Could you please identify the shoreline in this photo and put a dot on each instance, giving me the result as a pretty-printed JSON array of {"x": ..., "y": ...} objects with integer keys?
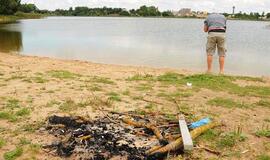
[{"x": 130, "y": 66}]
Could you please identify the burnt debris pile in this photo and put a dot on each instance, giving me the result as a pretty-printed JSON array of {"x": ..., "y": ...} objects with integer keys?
[{"x": 114, "y": 136}]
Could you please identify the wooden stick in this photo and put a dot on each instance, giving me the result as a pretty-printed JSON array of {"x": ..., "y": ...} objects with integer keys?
[
  {"x": 177, "y": 144},
  {"x": 148, "y": 126},
  {"x": 208, "y": 150}
]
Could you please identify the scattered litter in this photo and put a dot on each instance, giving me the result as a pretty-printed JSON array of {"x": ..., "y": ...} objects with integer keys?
[{"x": 200, "y": 123}]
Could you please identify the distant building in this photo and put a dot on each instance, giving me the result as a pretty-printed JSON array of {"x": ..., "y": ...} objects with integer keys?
[
  {"x": 202, "y": 14},
  {"x": 233, "y": 10},
  {"x": 183, "y": 12}
]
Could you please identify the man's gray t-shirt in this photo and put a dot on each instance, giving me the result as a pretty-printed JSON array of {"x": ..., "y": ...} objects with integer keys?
[{"x": 215, "y": 21}]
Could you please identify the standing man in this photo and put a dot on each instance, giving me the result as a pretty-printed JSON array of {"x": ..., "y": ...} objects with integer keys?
[{"x": 215, "y": 25}]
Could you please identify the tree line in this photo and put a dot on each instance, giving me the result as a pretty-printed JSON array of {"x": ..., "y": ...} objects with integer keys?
[
  {"x": 10, "y": 7},
  {"x": 143, "y": 11}
]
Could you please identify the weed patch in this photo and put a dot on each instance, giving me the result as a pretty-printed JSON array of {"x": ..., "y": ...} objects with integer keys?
[
  {"x": 23, "y": 112},
  {"x": 2, "y": 142},
  {"x": 8, "y": 116},
  {"x": 103, "y": 80},
  {"x": 114, "y": 96},
  {"x": 227, "y": 103},
  {"x": 263, "y": 133},
  {"x": 12, "y": 155},
  {"x": 61, "y": 74},
  {"x": 263, "y": 103},
  {"x": 229, "y": 140},
  {"x": 263, "y": 157},
  {"x": 12, "y": 103}
]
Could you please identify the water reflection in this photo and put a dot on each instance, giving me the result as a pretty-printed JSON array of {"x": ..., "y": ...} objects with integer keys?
[{"x": 10, "y": 41}]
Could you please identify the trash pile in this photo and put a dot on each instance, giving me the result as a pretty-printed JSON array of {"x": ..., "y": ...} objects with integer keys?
[{"x": 126, "y": 136}]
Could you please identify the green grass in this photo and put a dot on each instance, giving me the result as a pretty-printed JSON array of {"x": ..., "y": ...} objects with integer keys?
[
  {"x": 139, "y": 77},
  {"x": 210, "y": 135},
  {"x": 61, "y": 74},
  {"x": 144, "y": 87},
  {"x": 31, "y": 127},
  {"x": 8, "y": 116},
  {"x": 126, "y": 92},
  {"x": 103, "y": 80},
  {"x": 173, "y": 78},
  {"x": 95, "y": 88},
  {"x": 212, "y": 82},
  {"x": 12, "y": 155},
  {"x": 150, "y": 106},
  {"x": 12, "y": 103},
  {"x": 68, "y": 105},
  {"x": 263, "y": 103},
  {"x": 23, "y": 112},
  {"x": 34, "y": 148},
  {"x": 2, "y": 142},
  {"x": 263, "y": 133},
  {"x": 24, "y": 141},
  {"x": 114, "y": 96},
  {"x": 227, "y": 103},
  {"x": 263, "y": 157},
  {"x": 175, "y": 94},
  {"x": 230, "y": 139},
  {"x": 52, "y": 103}
]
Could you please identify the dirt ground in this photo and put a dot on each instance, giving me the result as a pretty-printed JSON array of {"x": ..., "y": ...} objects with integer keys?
[{"x": 34, "y": 88}]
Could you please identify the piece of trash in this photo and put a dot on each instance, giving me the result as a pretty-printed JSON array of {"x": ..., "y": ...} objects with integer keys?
[
  {"x": 200, "y": 123},
  {"x": 189, "y": 84}
]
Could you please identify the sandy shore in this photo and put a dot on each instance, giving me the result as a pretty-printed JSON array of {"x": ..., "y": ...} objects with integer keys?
[{"x": 43, "y": 85}]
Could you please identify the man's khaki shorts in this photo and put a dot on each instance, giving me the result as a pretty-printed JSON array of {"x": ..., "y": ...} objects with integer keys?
[{"x": 216, "y": 40}]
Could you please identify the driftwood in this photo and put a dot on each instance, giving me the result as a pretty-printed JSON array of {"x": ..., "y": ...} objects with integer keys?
[{"x": 177, "y": 144}]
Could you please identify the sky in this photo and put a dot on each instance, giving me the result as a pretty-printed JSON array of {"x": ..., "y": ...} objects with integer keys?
[{"x": 196, "y": 5}]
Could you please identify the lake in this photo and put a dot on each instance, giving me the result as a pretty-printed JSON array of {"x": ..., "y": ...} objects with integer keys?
[{"x": 155, "y": 42}]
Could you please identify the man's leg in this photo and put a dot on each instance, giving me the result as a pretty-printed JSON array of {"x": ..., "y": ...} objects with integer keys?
[
  {"x": 209, "y": 63},
  {"x": 210, "y": 50},
  {"x": 221, "y": 64},
  {"x": 221, "y": 52}
]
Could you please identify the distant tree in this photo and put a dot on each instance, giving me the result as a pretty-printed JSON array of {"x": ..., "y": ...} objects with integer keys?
[
  {"x": 27, "y": 8},
  {"x": 124, "y": 13},
  {"x": 167, "y": 14},
  {"x": 9, "y": 7},
  {"x": 148, "y": 11},
  {"x": 81, "y": 11},
  {"x": 133, "y": 12},
  {"x": 268, "y": 15}
]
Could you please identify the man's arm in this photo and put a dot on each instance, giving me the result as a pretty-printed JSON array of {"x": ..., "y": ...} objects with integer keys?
[{"x": 205, "y": 28}]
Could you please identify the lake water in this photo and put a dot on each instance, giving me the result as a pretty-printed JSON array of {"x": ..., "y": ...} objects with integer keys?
[{"x": 157, "y": 42}]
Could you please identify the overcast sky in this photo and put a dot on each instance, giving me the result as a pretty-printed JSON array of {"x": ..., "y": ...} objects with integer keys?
[{"x": 197, "y": 5}]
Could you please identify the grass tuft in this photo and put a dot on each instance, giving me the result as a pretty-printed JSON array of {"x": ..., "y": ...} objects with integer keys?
[
  {"x": 263, "y": 133},
  {"x": 263, "y": 103},
  {"x": 263, "y": 157},
  {"x": 2, "y": 142},
  {"x": 61, "y": 74},
  {"x": 227, "y": 103},
  {"x": 12, "y": 155},
  {"x": 114, "y": 96},
  {"x": 12, "y": 103},
  {"x": 230, "y": 139},
  {"x": 139, "y": 77},
  {"x": 8, "y": 116},
  {"x": 23, "y": 112},
  {"x": 68, "y": 105}
]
